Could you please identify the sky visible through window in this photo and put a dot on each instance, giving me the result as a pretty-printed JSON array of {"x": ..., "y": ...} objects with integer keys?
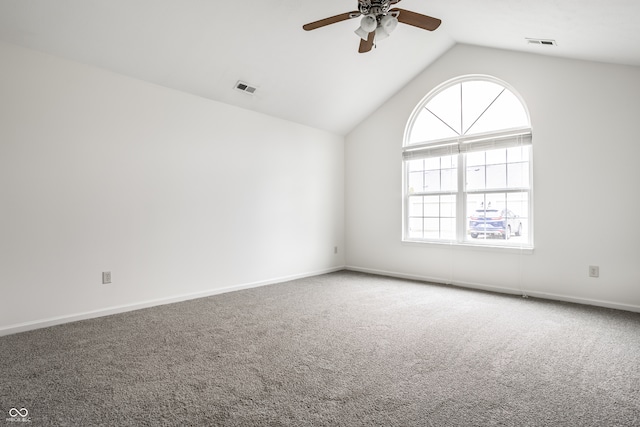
[{"x": 468, "y": 108}]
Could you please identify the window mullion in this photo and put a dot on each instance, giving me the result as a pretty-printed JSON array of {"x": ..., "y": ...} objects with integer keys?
[{"x": 461, "y": 198}]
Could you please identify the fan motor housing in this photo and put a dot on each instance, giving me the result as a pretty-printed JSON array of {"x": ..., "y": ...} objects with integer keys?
[{"x": 374, "y": 7}]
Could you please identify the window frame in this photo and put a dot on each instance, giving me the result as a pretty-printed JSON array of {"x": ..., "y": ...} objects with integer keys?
[{"x": 460, "y": 146}]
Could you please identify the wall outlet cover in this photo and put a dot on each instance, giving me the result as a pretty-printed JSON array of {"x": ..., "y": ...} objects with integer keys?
[{"x": 106, "y": 277}]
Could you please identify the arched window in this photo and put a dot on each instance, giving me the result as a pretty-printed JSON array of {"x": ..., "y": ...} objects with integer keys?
[{"x": 467, "y": 166}]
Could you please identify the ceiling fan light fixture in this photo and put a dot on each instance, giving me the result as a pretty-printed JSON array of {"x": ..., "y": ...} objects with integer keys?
[
  {"x": 381, "y": 34},
  {"x": 368, "y": 24},
  {"x": 389, "y": 23},
  {"x": 361, "y": 33}
]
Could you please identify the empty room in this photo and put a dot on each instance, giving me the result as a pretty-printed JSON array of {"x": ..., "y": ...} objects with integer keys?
[{"x": 319, "y": 213}]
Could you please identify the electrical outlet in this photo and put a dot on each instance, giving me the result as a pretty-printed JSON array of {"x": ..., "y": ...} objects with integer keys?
[
  {"x": 594, "y": 271},
  {"x": 106, "y": 277},
  {"x": 335, "y": 249}
]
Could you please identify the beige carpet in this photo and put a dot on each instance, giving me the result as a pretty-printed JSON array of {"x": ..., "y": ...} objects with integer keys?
[{"x": 342, "y": 349}]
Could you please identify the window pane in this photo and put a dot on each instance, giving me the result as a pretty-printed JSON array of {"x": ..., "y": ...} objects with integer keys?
[
  {"x": 431, "y": 228},
  {"x": 475, "y": 177},
  {"x": 448, "y": 206},
  {"x": 518, "y": 175},
  {"x": 518, "y": 204},
  {"x": 415, "y": 165},
  {"x": 415, "y": 206},
  {"x": 432, "y": 217},
  {"x": 446, "y": 106},
  {"x": 432, "y": 180},
  {"x": 497, "y": 176},
  {"x": 416, "y": 182},
  {"x": 506, "y": 112},
  {"x": 415, "y": 228},
  {"x": 449, "y": 162},
  {"x": 448, "y": 228},
  {"x": 485, "y": 216},
  {"x": 486, "y": 204},
  {"x": 495, "y": 157},
  {"x": 432, "y": 163},
  {"x": 518, "y": 154},
  {"x": 477, "y": 97},
  {"x": 476, "y": 158},
  {"x": 426, "y": 175},
  {"x": 432, "y": 206},
  {"x": 428, "y": 127},
  {"x": 497, "y": 173},
  {"x": 474, "y": 201},
  {"x": 501, "y": 216},
  {"x": 449, "y": 180}
]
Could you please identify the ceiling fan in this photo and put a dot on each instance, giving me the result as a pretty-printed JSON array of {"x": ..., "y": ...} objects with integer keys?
[{"x": 378, "y": 21}]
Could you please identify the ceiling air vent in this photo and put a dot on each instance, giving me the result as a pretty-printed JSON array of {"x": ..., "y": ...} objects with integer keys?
[
  {"x": 245, "y": 87},
  {"x": 544, "y": 42}
]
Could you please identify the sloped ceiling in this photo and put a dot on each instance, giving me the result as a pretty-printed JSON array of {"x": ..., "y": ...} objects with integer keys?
[{"x": 314, "y": 78}]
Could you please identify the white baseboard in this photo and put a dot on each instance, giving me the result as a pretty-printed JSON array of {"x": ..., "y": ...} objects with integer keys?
[
  {"x": 43, "y": 323},
  {"x": 512, "y": 291}
]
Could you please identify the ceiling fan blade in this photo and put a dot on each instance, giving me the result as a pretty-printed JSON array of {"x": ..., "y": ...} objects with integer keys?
[
  {"x": 331, "y": 20},
  {"x": 366, "y": 45},
  {"x": 417, "y": 20}
]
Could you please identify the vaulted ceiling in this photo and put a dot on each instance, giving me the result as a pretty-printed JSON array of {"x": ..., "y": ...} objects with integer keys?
[{"x": 315, "y": 78}]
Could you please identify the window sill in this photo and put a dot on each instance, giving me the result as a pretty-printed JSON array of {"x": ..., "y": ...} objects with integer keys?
[{"x": 526, "y": 250}]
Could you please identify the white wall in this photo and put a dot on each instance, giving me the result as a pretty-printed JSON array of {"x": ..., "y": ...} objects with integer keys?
[
  {"x": 586, "y": 153},
  {"x": 174, "y": 194}
]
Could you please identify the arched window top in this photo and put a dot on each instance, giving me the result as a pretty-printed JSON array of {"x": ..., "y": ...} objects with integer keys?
[{"x": 466, "y": 106}]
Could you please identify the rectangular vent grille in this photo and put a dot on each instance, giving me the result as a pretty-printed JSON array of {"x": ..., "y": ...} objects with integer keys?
[
  {"x": 245, "y": 87},
  {"x": 543, "y": 42}
]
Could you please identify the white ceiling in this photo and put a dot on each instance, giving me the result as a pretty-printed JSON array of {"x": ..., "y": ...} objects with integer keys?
[{"x": 316, "y": 78}]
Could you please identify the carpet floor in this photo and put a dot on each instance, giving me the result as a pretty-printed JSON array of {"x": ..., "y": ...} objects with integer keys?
[{"x": 341, "y": 349}]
